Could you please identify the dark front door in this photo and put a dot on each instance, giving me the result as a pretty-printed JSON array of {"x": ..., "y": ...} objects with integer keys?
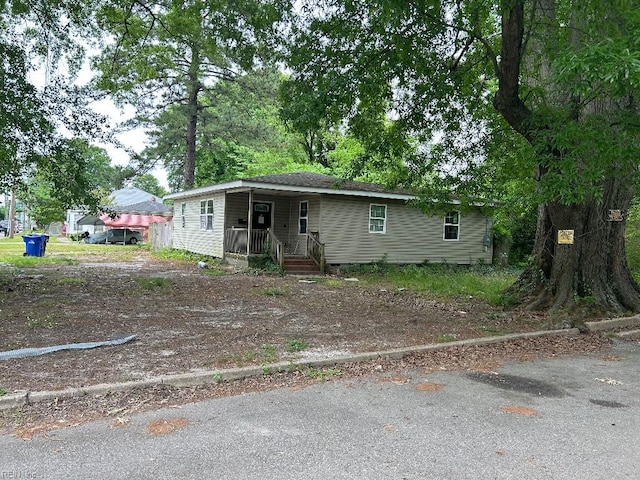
[{"x": 261, "y": 216}]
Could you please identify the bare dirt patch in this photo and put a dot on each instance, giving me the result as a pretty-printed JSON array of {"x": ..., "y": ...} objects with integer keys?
[{"x": 187, "y": 320}]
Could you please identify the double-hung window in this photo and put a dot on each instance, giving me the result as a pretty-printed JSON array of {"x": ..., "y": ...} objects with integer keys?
[
  {"x": 303, "y": 217},
  {"x": 377, "y": 218},
  {"x": 206, "y": 215},
  {"x": 452, "y": 226}
]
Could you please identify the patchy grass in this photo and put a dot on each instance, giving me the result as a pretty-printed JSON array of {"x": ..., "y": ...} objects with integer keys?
[
  {"x": 321, "y": 373},
  {"x": 296, "y": 345},
  {"x": 38, "y": 323},
  {"x": 277, "y": 291},
  {"x": 151, "y": 283},
  {"x": 449, "y": 337},
  {"x": 60, "y": 252},
  {"x": 442, "y": 281}
]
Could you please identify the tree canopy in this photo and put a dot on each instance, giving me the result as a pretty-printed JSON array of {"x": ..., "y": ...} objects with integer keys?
[
  {"x": 545, "y": 90},
  {"x": 161, "y": 55}
]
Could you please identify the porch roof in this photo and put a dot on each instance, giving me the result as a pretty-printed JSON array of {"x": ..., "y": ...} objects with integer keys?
[{"x": 296, "y": 183}]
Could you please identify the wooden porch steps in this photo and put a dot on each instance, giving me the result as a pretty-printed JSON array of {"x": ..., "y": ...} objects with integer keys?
[{"x": 300, "y": 265}]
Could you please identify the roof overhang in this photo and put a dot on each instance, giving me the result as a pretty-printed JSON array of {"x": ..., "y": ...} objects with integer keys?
[{"x": 239, "y": 186}]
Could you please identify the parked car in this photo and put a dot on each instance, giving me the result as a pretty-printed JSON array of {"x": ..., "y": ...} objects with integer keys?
[
  {"x": 4, "y": 226},
  {"x": 123, "y": 235},
  {"x": 100, "y": 237}
]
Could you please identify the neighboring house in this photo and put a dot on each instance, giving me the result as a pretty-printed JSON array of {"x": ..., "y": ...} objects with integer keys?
[
  {"x": 323, "y": 217},
  {"x": 125, "y": 201}
]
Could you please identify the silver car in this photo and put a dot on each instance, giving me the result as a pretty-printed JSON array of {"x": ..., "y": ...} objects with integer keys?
[{"x": 123, "y": 235}]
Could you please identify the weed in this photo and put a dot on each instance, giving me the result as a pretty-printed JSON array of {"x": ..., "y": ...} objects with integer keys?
[
  {"x": 322, "y": 373},
  {"x": 277, "y": 291},
  {"x": 492, "y": 330},
  {"x": 154, "y": 282},
  {"x": 269, "y": 352},
  {"x": 3, "y": 391},
  {"x": 449, "y": 337},
  {"x": 35, "y": 323},
  {"x": 265, "y": 368},
  {"x": 217, "y": 376},
  {"x": 296, "y": 345}
]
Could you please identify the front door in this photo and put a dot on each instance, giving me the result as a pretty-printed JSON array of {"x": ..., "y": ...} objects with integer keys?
[{"x": 261, "y": 216}]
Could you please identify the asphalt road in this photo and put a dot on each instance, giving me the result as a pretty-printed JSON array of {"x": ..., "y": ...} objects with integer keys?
[{"x": 567, "y": 418}]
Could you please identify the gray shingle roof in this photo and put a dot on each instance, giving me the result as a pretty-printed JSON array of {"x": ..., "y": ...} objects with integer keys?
[
  {"x": 318, "y": 180},
  {"x": 146, "y": 208}
]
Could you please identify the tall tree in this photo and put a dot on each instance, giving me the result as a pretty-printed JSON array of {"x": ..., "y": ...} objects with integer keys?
[
  {"x": 239, "y": 126},
  {"x": 166, "y": 53},
  {"x": 562, "y": 75},
  {"x": 36, "y": 102},
  {"x": 73, "y": 173},
  {"x": 150, "y": 184}
]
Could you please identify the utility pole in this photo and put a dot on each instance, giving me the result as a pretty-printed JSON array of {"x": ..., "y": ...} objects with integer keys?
[{"x": 12, "y": 213}]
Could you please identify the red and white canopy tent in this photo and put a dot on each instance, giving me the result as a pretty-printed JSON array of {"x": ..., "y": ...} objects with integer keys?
[{"x": 130, "y": 220}]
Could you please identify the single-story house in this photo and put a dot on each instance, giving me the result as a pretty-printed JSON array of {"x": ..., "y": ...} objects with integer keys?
[{"x": 334, "y": 222}]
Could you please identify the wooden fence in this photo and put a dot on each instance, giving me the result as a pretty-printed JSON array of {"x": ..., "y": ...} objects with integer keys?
[{"x": 161, "y": 235}]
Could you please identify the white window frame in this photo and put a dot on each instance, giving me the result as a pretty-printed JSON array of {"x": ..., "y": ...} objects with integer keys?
[
  {"x": 206, "y": 214},
  {"x": 183, "y": 210},
  {"x": 304, "y": 217},
  {"x": 448, "y": 222},
  {"x": 373, "y": 220}
]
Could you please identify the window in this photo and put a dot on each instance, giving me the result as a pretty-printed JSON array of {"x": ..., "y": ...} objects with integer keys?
[
  {"x": 303, "y": 217},
  {"x": 452, "y": 226},
  {"x": 183, "y": 209},
  {"x": 206, "y": 215},
  {"x": 377, "y": 218}
]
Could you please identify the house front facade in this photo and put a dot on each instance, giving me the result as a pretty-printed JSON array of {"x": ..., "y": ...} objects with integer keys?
[{"x": 308, "y": 214}]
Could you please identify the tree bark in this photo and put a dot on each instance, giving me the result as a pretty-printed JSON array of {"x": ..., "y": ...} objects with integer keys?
[
  {"x": 589, "y": 276},
  {"x": 194, "y": 86}
]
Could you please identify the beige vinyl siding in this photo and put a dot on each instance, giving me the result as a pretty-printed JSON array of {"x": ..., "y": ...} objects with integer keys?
[
  {"x": 191, "y": 237},
  {"x": 410, "y": 237}
]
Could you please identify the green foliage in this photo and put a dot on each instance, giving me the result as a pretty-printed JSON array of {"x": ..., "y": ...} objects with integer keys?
[
  {"x": 269, "y": 353},
  {"x": 277, "y": 291},
  {"x": 444, "y": 281},
  {"x": 296, "y": 345},
  {"x": 449, "y": 337},
  {"x": 633, "y": 241},
  {"x": 151, "y": 283},
  {"x": 177, "y": 51},
  {"x": 38, "y": 323},
  {"x": 322, "y": 373},
  {"x": 149, "y": 183}
]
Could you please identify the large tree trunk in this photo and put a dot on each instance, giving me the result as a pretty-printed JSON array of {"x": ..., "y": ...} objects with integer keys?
[{"x": 590, "y": 275}]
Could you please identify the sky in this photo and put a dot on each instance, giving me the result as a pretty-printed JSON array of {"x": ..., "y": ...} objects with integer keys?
[{"x": 134, "y": 139}]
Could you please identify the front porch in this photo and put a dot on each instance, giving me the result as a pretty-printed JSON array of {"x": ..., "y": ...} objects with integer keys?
[{"x": 242, "y": 243}]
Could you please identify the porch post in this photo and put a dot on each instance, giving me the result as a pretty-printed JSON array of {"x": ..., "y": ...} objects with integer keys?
[{"x": 249, "y": 222}]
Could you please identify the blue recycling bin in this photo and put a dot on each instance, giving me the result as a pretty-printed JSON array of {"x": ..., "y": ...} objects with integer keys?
[{"x": 35, "y": 244}]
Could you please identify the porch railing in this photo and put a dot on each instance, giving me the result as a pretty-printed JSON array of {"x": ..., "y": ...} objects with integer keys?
[
  {"x": 262, "y": 241},
  {"x": 315, "y": 249},
  {"x": 276, "y": 249}
]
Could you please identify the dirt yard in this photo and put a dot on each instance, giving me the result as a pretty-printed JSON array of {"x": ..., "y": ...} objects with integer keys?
[{"x": 188, "y": 319}]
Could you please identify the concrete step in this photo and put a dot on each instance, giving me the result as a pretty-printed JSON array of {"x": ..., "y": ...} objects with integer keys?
[
  {"x": 629, "y": 334},
  {"x": 614, "y": 324}
]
